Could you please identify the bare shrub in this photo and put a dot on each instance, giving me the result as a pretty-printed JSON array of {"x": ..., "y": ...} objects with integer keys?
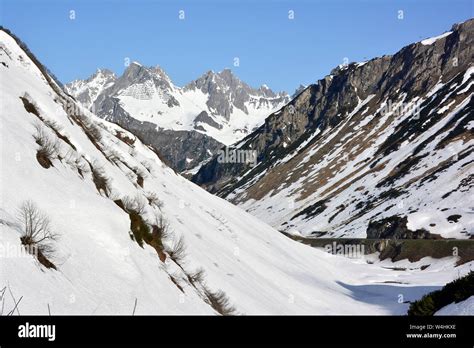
[
  {"x": 141, "y": 175},
  {"x": 75, "y": 161},
  {"x": 161, "y": 227},
  {"x": 101, "y": 181},
  {"x": 81, "y": 165},
  {"x": 220, "y": 302},
  {"x": 92, "y": 130},
  {"x": 49, "y": 149},
  {"x": 30, "y": 105},
  {"x": 137, "y": 204},
  {"x": 113, "y": 156},
  {"x": 197, "y": 276},
  {"x": 53, "y": 124},
  {"x": 147, "y": 165},
  {"x": 37, "y": 235},
  {"x": 177, "y": 251},
  {"x": 153, "y": 199}
]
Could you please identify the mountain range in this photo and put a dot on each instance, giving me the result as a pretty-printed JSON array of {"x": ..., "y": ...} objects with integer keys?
[{"x": 186, "y": 124}]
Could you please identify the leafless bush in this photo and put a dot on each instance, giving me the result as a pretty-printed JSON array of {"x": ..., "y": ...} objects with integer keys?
[
  {"x": 49, "y": 149},
  {"x": 153, "y": 199},
  {"x": 147, "y": 166},
  {"x": 197, "y": 276},
  {"x": 161, "y": 226},
  {"x": 137, "y": 204},
  {"x": 131, "y": 176},
  {"x": 113, "y": 156},
  {"x": 101, "y": 181},
  {"x": 37, "y": 235},
  {"x": 141, "y": 175},
  {"x": 53, "y": 124},
  {"x": 92, "y": 130},
  {"x": 220, "y": 302},
  {"x": 81, "y": 165},
  {"x": 177, "y": 251}
]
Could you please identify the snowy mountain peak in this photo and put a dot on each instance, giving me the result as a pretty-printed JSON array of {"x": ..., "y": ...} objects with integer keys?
[
  {"x": 219, "y": 105},
  {"x": 87, "y": 91}
]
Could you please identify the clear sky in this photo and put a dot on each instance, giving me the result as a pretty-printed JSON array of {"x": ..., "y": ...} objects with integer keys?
[{"x": 271, "y": 47}]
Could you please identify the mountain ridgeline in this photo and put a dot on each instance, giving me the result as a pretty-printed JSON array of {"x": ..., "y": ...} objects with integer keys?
[
  {"x": 186, "y": 125},
  {"x": 391, "y": 137}
]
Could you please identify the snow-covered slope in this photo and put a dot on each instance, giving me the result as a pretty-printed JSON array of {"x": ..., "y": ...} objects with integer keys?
[
  {"x": 465, "y": 307},
  {"x": 93, "y": 166},
  {"x": 217, "y": 104},
  {"x": 391, "y": 138}
]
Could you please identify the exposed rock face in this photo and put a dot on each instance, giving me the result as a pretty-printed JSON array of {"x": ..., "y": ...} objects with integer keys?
[
  {"x": 226, "y": 91},
  {"x": 87, "y": 91},
  {"x": 205, "y": 118},
  {"x": 395, "y": 227},
  {"x": 182, "y": 150},
  {"x": 392, "y": 135}
]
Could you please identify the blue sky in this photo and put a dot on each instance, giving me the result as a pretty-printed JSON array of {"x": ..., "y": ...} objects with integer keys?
[{"x": 271, "y": 48}]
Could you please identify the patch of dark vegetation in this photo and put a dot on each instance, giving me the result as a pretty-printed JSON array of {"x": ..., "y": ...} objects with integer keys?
[
  {"x": 159, "y": 233},
  {"x": 120, "y": 204},
  {"x": 30, "y": 107},
  {"x": 456, "y": 291},
  {"x": 395, "y": 227},
  {"x": 391, "y": 194},
  {"x": 197, "y": 276},
  {"x": 312, "y": 210},
  {"x": 37, "y": 236},
  {"x": 140, "y": 178},
  {"x": 458, "y": 126},
  {"x": 153, "y": 233},
  {"x": 402, "y": 169},
  {"x": 339, "y": 209},
  {"x": 177, "y": 251},
  {"x": 56, "y": 128},
  {"x": 92, "y": 131},
  {"x": 124, "y": 138},
  {"x": 175, "y": 282},
  {"x": 43, "y": 157},
  {"x": 48, "y": 149},
  {"x": 318, "y": 234},
  {"x": 139, "y": 229},
  {"x": 454, "y": 218}
]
